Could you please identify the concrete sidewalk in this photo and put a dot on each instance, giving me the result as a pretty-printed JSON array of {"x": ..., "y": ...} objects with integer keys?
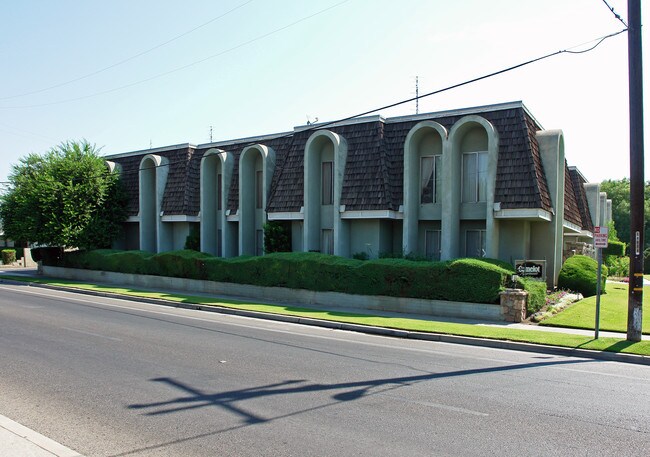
[{"x": 19, "y": 441}]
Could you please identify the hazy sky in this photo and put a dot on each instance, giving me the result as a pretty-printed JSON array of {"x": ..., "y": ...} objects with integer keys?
[{"x": 265, "y": 66}]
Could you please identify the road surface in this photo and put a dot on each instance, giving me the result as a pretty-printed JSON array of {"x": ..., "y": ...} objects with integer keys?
[{"x": 110, "y": 377}]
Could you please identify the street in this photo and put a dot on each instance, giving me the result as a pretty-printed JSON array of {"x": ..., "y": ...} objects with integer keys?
[{"x": 109, "y": 377}]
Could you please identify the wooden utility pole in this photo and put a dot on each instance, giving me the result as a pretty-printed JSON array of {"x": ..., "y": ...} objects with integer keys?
[{"x": 635, "y": 291}]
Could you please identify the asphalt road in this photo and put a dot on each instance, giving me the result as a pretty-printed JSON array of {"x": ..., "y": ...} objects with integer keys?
[{"x": 111, "y": 377}]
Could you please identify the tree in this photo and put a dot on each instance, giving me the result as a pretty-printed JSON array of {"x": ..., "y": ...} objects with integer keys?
[
  {"x": 619, "y": 193},
  {"x": 66, "y": 197}
]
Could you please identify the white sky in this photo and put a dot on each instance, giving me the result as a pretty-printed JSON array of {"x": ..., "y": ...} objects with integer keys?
[{"x": 268, "y": 75}]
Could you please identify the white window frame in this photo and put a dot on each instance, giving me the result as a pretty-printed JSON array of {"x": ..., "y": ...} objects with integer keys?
[
  {"x": 435, "y": 253},
  {"x": 477, "y": 188},
  {"x": 435, "y": 178},
  {"x": 482, "y": 242}
]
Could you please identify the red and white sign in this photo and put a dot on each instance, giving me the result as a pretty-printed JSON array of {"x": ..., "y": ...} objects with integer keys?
[{"x": 600, "y": 237}]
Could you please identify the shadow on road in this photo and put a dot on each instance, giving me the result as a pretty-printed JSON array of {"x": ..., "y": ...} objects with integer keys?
[{"x": 340, "y": 392}]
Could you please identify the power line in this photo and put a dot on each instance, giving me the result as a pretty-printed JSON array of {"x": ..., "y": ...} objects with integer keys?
[
  {"x": 128, "y": 59},
  {"x": 429, "y": 94},
  {"x": 616, "y": 15},
  {"x": 183, "y": 67}
]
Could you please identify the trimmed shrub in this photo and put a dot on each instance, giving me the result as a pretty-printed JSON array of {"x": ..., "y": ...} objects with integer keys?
[
  {"x": 8, "y": 256},
  {"x": 464, "y": 280},
  {"x": 614, "y": 248},
  {"x": 47, "y": 255},
  {"x": 536, "y": 294},
  {"x": 580, "y": 274},
  {"x": 618, "y": 266}
]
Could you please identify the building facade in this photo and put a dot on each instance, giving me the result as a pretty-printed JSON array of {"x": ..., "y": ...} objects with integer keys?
[{"x": 477, "y": 182}]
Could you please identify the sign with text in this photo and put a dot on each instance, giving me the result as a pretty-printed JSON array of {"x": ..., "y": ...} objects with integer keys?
[
  {"x": 600, "y": 237},
  {"x": 531, "y": 268}
]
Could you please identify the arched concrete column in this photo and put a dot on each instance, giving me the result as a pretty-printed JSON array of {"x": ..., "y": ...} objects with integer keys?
[
  {"x": 318, "y": 142},
  {"x": 550, "y": 244},
  {"x": 214, "y": 200},
  {"x": 154, "y": 235},
  {"x": 252, "y": 219},
  {"x": 452, "y": 163},
  {"x": 412, "y": 185},
  {"x": 113, "y": 167}
]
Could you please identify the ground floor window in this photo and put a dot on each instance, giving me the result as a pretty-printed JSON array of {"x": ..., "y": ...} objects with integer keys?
[
  {"x": 259, "y": 242},
  {"x": 432, "y": 244},
  {"x": 475, "y": 243},
  {"x": 327, "y": 241}
]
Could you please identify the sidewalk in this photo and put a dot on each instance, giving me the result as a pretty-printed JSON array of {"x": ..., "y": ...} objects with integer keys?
[{"x": 19, "y": 441}]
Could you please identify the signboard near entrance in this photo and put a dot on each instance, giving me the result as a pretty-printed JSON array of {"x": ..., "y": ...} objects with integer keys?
[
  {"x": 531, "y": 268},
  {"x": 600, "y": 237}
]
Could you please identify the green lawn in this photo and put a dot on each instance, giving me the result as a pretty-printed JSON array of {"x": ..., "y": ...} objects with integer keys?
[
  {"x": 613, "y": 311},
  {"x": 480, "y": 331}
]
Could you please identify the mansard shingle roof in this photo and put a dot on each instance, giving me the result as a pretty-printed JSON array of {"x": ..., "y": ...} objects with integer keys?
[
  {"x": 578, "y": 182},
  {"x": 374, "y": 171}
]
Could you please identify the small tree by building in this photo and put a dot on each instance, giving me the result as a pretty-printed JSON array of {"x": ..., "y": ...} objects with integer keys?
[{"x": 66, "y": 197}]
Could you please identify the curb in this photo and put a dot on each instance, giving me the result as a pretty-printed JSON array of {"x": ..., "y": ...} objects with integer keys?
[
  {"x": 383, "y": 331},
  {"x": 36, "y": 439}
]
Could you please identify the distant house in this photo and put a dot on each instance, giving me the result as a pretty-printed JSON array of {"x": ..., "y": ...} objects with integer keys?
[{"x": 480, "y": 182}]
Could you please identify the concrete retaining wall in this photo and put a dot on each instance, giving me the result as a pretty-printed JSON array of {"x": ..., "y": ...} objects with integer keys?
[{"x": 294, "y": 296}]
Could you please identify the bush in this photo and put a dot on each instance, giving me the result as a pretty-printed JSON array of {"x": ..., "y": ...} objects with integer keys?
[
  {"x": 536, "y": 294},
  {"x": 277, "y": 237},
  {"x": 463, "y": 280},
  {"x": 614, "y": 248},
  {"x": 193, "y": 240},
  {"x": 8, "y": 256},
  {"x": 47, "y": 255},
  {"x": 361, "y": 255},
  {"x": 580, "y": 274},
  {"x": 618, "y": 266}
]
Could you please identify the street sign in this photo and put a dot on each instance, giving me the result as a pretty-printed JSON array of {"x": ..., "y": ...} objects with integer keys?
[{"x": 600, "y": 237}]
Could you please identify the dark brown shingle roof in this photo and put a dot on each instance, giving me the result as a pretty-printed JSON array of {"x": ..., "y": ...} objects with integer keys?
[
  {"x": 374, "y": 169},
  {"x": 571, "y": 211},
  {"x": 581, "y": 199}
]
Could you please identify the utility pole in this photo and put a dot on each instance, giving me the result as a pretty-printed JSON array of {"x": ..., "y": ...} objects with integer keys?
[{"x": 635, "y": 290}]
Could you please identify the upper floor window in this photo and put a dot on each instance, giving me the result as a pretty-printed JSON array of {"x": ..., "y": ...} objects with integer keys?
[
  {"x": 259, "y": 187},
  {"x": 475, "y": 177},
  {"x": 430, "y": 186},
  {"x": 327, "y": 180},
  {"x": 219, "y": 193}
]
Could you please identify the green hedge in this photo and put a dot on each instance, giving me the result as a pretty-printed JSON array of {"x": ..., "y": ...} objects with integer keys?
[
  {"x": 580, "y": 274},
  {"x": 536, "y": 294},
  {"x": 8, "y": 256},
  {"x": 614, "y": 248},
  {"x": 464, "y": 280}
]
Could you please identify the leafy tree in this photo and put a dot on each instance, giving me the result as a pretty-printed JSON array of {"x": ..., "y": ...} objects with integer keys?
[
  {"x": 619, "y": 192},
  {"x": 66, "y": 197}
]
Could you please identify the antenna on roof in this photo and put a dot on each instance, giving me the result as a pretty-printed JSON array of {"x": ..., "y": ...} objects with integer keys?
[
  {"x": 309, "y": 121},
  {"x": 150, "y": 143},
  {"x": 417, "y": 96},
  {"x": 210, "y": 134}
]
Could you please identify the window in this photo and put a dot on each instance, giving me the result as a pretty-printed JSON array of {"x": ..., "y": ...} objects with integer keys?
[
  {"x": 432, "y": 244},
  {"x": 219, "y": 194},
  {"x": 327, "y": 241},
  {"x": 430, "y": 186},
  {"x": 259, "y": 187},
  {"x": 475, "y": 177},
  {"x": 327, "y": 180},
  {"x": 259, "y": 242},
  {"x": 475, "y": 243}
]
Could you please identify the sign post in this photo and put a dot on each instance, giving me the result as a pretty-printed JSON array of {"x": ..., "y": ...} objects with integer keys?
[{"x": 600, "y": 242}]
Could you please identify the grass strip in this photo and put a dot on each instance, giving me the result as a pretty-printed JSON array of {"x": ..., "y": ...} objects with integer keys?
[
  {"x": 408, "y": 324},
  {"x": 613, "y": 311}
]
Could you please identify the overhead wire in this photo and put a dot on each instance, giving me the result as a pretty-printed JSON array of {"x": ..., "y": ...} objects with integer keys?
[
  {"x": 429, "y": 94},
  {"x": 183, "y": 67},
  {"x": 128, "y": 59},
  {"x": 616, "y": 15}
]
